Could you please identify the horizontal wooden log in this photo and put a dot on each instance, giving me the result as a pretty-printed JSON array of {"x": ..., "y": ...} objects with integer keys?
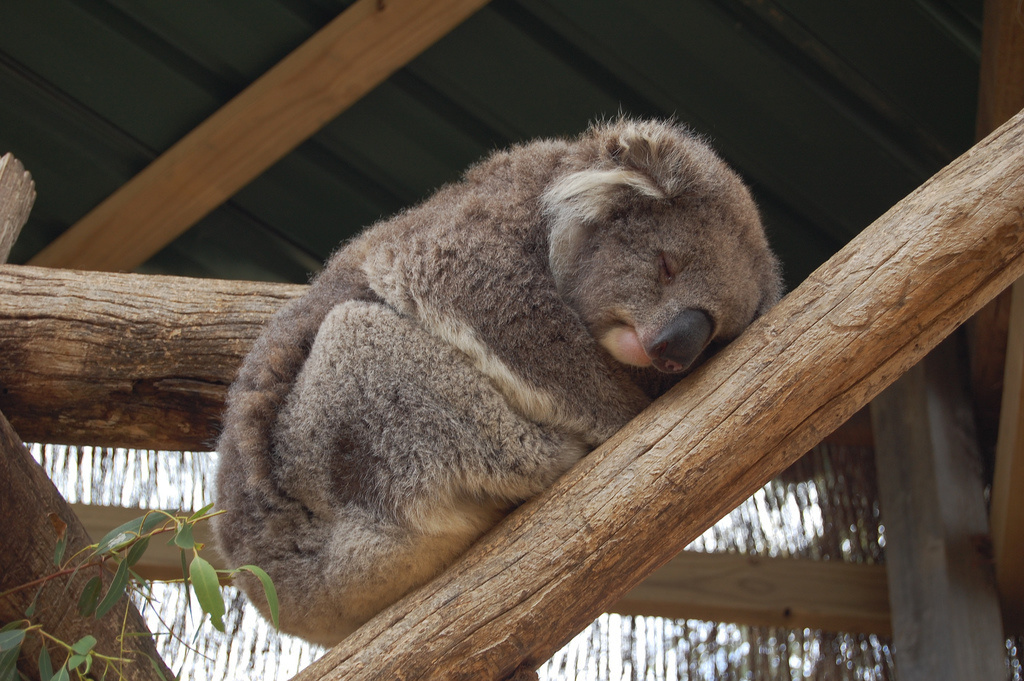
[
  {"x": 124, "y": 360},
  {"x": 132, "y": 360},
  {"x": 764, "y": 591},
  {"x": 716, "y": 587},
  {"x": 847, "y": 332}
]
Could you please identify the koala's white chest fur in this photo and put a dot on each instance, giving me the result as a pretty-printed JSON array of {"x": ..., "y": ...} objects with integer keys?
[{"x": 454, "y": 360}]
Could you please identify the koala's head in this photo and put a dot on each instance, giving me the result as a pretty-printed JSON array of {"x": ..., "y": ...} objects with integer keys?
[{"x": 657, "y": 244}]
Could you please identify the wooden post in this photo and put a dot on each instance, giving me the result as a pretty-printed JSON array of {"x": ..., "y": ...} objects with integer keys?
[
  {"x": 847, "y": 332},
  {"x": 945, "y": 611},
  {"x": 17, "y": 194}
]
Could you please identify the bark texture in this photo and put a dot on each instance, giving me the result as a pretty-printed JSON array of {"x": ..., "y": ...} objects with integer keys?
[{"x": 121, "y": 359}]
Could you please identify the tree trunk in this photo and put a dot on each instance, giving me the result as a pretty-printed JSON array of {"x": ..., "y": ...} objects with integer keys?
[{"x": 27, "y": 499}]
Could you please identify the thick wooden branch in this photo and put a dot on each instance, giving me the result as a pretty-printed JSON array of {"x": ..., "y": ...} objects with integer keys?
[
  {"x": 27, "y": 498},
  {"x": 328, "y": 73},
  {"x": 124, "y": 360},
  {"x": 847, "y": 332}
]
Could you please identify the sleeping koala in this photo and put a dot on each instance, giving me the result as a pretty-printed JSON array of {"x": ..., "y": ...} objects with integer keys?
[{"x": 454, "y": 360}]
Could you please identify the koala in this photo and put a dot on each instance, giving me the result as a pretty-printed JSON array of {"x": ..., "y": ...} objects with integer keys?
[{"x": 454, "y": 360}]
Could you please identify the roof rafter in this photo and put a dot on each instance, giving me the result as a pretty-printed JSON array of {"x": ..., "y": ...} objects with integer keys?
[{"x": 324, "y": 76}]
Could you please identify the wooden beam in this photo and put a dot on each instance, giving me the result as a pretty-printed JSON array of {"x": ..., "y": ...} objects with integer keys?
[
  {"x": 131, "y": 360},
  {"x": 717, "y": 587},
  {"x": 945, "y": 612},
  {"x": 763, "y": 591},
  {"x": 995, "y": 360},
  {"x": 1000, "y": 96},
  {"x": 855, "y": 325},
  {"x": 328, "y": 73},
  {"x": 1007, "y": 511},
  {"x": 17, "y": 194},
  {"x": 124, "y": 360}
]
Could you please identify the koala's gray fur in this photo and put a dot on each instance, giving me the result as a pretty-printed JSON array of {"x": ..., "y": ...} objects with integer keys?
[{"x": 454, "y": 360}]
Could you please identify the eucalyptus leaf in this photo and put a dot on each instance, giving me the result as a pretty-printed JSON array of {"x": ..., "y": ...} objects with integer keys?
[
  {"x": 136, "y": 551},
  {"x": 115, "y": 591},
  {"x": 11, "y": 639},
  {"x": 269, "y": 589},
  {"x": 83, "y": 645},
  {"x": 121, "y": 536},
  {"x": 45, "y": 664},
  {"x": 90, "y": 597},
  {"x": 59, "y": 549},
  {"x": 9, "y": 664},
  {"x": 62, "y": 675},
  {"x": 200, "y": 513},
  {"x": 183, "y": 537},
  {"x": 207, "y": 587}
]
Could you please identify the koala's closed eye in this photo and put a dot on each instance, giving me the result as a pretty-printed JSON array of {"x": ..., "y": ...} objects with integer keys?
[{"x": 666, "y": 269}]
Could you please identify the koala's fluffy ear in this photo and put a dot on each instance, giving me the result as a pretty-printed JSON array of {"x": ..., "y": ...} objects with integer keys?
[{"x": 651, "y": 159}]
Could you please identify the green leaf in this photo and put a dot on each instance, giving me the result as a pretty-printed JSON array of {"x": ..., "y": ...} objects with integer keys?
[
  {"x": 207, "y": 586},
  {"x": 58, "y": 551},
  {"x": 16, "y": 624},
  {"x": 45, "y": 664},
  {"x": 136, "y": 551},
  {"x": 269, "y": 589},
  {"x": 200, "y": 513},
  {"x": 11, "y": 639},
  {"x": 9, "y": 664},
  {"x": 62, "y": 675},
  {"x": 121, "y": 536},
  {"x": 83, "y": 645},
  {"x": 115, "y": 591},
  {"x": 184, "y": 574},
  {"x": 75, "y": 661},
  {"x": 183, "y": 537},
  {"x": 90, "y": 597}
]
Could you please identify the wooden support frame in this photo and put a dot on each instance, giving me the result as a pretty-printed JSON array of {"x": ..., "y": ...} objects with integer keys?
[
  {"x": 328, "y": 73},
  {"x": 854, "y": 326}
]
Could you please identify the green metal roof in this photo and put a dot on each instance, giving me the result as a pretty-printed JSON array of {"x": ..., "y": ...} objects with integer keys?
[{"x": 832, "y": 111}]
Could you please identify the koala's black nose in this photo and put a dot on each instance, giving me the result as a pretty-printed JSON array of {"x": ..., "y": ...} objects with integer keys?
[{"x": 680, "y": 342}]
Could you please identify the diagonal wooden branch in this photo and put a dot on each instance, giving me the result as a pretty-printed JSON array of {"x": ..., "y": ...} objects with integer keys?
[
  {"x": 27, "y": 500},
  {"x": 847, "y": 332}
]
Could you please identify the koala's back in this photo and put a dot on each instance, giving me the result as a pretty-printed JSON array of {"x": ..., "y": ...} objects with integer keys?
[{"x": 392, "y": 454}]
